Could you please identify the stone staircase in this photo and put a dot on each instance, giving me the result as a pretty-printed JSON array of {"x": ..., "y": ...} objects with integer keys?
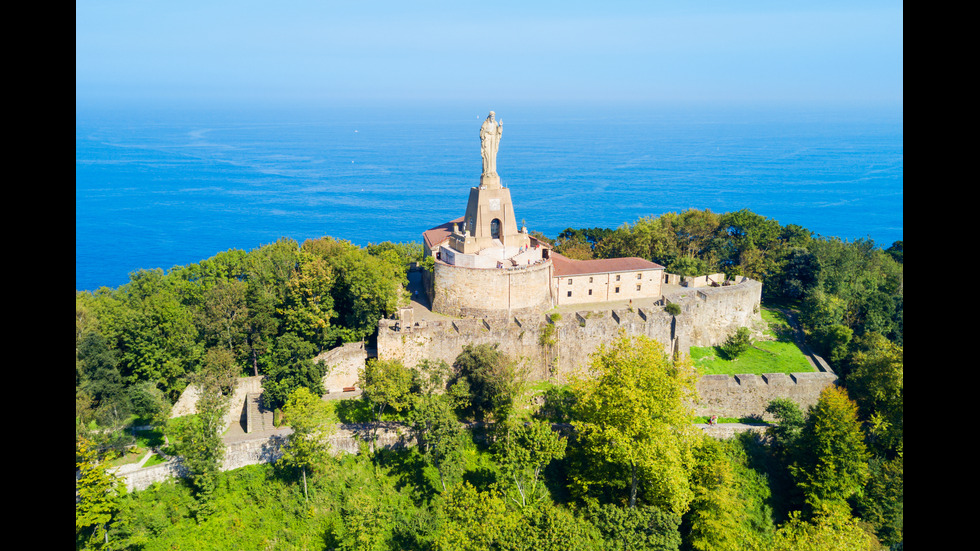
[{"x": 257, "y": 418}]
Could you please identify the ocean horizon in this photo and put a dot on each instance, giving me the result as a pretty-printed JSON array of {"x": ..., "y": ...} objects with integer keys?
[{"x": 159, "y": 188}]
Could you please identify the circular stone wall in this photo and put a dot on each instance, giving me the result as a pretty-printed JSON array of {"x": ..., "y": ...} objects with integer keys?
[{"x": 492, "y": 293}]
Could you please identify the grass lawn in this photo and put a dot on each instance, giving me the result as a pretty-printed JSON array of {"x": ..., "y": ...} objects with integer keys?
[{"x": 776, "y": 356}]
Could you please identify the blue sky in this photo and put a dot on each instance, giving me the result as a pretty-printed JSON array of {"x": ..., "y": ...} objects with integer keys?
[{"x": 303, "y": 52}]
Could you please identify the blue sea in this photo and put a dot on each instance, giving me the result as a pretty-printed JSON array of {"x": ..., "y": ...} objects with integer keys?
[{"x": 159, "y": 188}]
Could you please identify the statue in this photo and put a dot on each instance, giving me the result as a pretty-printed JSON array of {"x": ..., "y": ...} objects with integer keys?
[{"x": 490, "y": 134}]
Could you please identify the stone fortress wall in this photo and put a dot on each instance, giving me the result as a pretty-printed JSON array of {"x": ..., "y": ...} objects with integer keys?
[
  {"x": 473, "y": 292},
  {"x": 555, "y": 346}
]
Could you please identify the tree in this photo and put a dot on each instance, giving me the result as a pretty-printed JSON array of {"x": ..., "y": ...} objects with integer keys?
[
  {"x": 524, "y": 452},
  {"x": 832, "y": 461},
  {"x": 736, "y": 343},
  {"x": 288, "y": 366},
  {"x": 876, "y": 382},
  {"x": 439, "y": 437},
  {"x": 307, "y": 446},
  {"x": 633, "y": 412},
  {"x": 729, "y": 510},
  {"x": 224, "y": 314},
  {"x": 308, "y": 305},
  {"x": 882, "y": 503},
  {"x": 366, "y": 288},
  {"x": 158, "y": 340},
  {"x": 474, "y": 520},
  {"x": 645, "y": 527},
  {"x": 96, "y": 498},
  {"x": 494, "y": 381},
  {"x": 197, "y": 439},
  {"x": 385, "y": 383},
  {"x": 829, "y": 530}
]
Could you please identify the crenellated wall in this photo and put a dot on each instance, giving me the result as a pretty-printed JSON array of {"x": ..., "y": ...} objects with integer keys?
[
  {"x": 748, "y": 395},
  {"x": 556, "y": 346}
]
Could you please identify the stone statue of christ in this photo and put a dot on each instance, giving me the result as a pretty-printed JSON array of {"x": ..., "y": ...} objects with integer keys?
[{"x": 490, "y": 134}]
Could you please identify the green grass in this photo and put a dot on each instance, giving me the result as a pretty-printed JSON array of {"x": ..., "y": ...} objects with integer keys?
[
  {"x": 777, "y": 356},
  {"x": 154, "y": 459}
]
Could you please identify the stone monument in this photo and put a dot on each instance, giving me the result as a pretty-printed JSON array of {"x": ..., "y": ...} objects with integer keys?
[
  {"x": 489, "y": 222},
  {"x": 490, "y": 134}
]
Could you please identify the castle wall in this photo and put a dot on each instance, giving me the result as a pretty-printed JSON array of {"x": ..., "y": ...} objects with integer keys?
[
  {"x": 556, "y": 348},
  {"x": 469, "y": 292},
  {"x": 747, "y": 395},
  {"x": 709, "y": 315},
  {"x": 343, "y": 363}
]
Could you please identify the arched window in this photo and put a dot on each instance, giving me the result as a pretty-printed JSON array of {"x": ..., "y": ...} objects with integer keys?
[{"x": 495, "y": 228}]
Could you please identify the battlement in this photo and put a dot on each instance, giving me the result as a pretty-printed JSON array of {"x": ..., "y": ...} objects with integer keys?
[
  {"x": 746, "y": 395},
  {"x": 556, "y": 348}
]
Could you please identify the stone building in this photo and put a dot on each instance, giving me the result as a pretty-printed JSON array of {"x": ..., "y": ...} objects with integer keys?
[{"x": 487, "y": 266}]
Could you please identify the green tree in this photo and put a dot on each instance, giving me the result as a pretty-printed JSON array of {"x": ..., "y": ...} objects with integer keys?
[
  {"x": 440, "y": 437},
  {"x": 641, "y": 528},
  {"x": 367, "y": 286},
  {"x": 882, "y": 504},
  {"x": 98, "y": 376},
  {"x": 729, "y": 510},
  {"x": 830, "y": 530},
  {"x": 307, "y": 447},
  {"x": 96, "y": 498},
  {"x": 385, "y": 383},
  {"x": 832, "y": 461},
  {"x": 150, "y": 403},
  {"x": 524, "y": 452},
  {"x": 474, "y": 520},
  {"x": 736, "y": 343},
  {"x": 158, "y": 340},
  {"x": 223, "y": 315},
  {"x": 876, "y": 382},
  {"x": 634, "y": 413},
  {"x": 261, "y": 326},
  {"x": 494, "y": 381},
  {"x": 288, "y": 366},
  {"x": 307, "y": 306},
  {"x": 197, "y": 439}
]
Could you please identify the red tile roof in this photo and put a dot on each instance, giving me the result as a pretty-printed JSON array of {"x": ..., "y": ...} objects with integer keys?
[
  {"x": 439, "y": 234},
  {"x": 567, "y": 267}
]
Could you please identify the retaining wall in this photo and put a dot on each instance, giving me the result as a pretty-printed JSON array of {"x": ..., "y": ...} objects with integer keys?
[{"x": 748, "y": 395}]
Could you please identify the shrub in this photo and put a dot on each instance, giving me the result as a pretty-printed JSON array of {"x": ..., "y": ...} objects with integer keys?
[
  {"x": 737, "y": 343},
  {"x": 673, "y": 308}
]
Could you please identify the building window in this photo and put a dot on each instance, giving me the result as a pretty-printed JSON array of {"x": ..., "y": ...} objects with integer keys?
[
  {"x": 590, "y": 280},
  {"x": 639, "y": 276},
  {"x": 590, "y": 292},
  {"x": 569, "y": 281},
  {"x": 617, "y": 277},
  {"x": 569, "y": 293},
  {"x": 617, "y": 289},
  {"x": 637, "y": 286}
]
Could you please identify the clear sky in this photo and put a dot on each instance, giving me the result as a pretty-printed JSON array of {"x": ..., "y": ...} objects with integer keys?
[{"x": 404, "y": 51}]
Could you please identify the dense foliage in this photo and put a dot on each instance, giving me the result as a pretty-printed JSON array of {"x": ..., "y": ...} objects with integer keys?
[{"x": 609, "y": 462}]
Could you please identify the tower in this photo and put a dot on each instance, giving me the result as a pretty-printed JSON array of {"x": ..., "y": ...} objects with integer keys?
[{"x": 489, "y": 221}]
